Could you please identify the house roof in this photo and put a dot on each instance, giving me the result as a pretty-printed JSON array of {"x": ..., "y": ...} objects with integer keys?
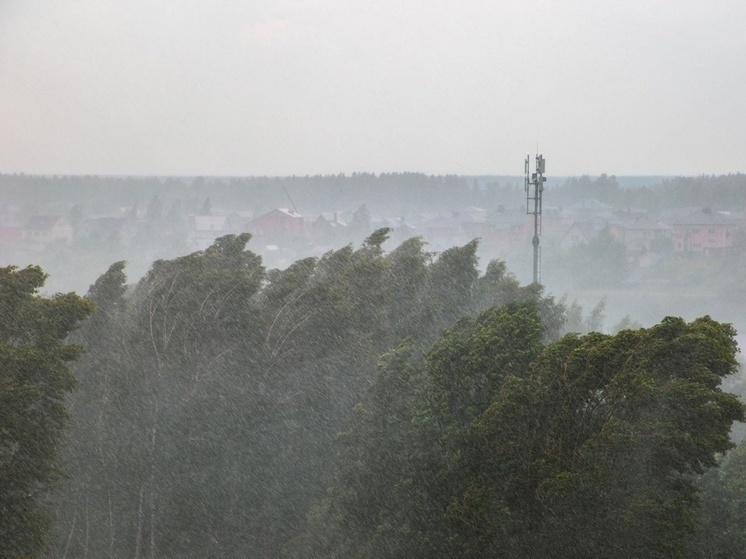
[
  {"x": 330, "y": 222},
  {"x": 284, "y": 212},
  {"x": 589, "y": 229},
  {"x": 333, "y": 219},
  {"x": 395, "y": 223},
  {"x": 642, "y": 225},
  {"x": 704, "y": 216},
  {"x": 42, "y": 222},
  {"x": 288, "y": 212}
]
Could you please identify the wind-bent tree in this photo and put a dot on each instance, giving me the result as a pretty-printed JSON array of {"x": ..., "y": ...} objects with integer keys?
[
  {"x": 592, "y": 452},
  {"x": 722, "y": 514},
  {"x": 92, "y": 501},
  {"x": 34, "y": 378},
  {"x": 411, "y": 449},
  {"x": 210, "y": 401},
  {"x": 495, "y": 446}
]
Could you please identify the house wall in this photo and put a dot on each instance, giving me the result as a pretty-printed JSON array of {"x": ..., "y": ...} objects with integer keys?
[
  {"x": 705, "y": 238},
  {"x": 277, "y": 225}
]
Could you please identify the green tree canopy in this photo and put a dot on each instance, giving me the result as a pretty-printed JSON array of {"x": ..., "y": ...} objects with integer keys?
[
  {"x": 586, "y": 447},
  {"x": 214, "y": 389},
  {"x": 34, "y": 378}
]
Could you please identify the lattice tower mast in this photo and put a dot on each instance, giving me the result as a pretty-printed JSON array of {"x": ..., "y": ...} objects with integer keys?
[{"x": 533, "y": 206}]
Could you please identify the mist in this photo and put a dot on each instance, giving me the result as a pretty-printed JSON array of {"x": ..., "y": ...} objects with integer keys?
[
  {"x": 270, "y": 286},
  {"x": 242, "y": 325}
]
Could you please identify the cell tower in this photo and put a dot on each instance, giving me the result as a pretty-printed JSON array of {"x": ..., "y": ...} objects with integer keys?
[{"x": 533, "y": 206}]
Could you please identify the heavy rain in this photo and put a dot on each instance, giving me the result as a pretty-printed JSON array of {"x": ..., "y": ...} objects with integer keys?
[{"x": 281, "y": 281}]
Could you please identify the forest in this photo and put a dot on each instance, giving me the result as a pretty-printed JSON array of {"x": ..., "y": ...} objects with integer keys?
[
  {"x": 398, "y": 192},
  {"x": 365, "y": 403}
]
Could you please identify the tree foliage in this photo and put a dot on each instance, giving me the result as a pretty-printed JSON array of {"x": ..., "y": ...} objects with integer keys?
[
  {"x": 722, "y": 513},
  {"x": 34, "y": 378},
  {"x": 209, "y": 403},
  {"x": 586, "y": 447}
]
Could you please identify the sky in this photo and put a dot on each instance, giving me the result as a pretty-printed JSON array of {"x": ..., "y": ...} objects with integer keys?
[{"x": 304, "y": 87}]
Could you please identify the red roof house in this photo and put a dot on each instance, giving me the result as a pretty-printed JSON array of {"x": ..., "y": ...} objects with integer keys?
[{"x": 280, "y": 226}]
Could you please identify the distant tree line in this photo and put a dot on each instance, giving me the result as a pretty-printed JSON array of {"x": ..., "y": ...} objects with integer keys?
[
  {"x": 361, "y": 404},
  {"x": 397, "y": 192},
  {"x": 390, "y": 193},
  {"x": 722, "y": 192}
]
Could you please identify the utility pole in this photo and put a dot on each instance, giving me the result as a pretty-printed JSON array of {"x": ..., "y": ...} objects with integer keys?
[{"x": 533, "y": 206}]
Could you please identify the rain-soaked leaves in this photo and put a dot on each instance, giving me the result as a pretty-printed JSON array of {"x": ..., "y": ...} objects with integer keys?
[{"x": 213, "y": 393}]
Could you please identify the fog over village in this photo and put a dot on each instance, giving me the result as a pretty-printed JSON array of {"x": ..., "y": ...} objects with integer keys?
[
  {"x": 273, "y": 283},
  {"x": 658, "y": 245}
]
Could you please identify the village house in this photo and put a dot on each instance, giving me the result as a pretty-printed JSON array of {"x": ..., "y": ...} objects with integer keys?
[
  {"x": 703, "y": 233},
  {"x": 444, "y": 231},
  {"x": 202, "y": 230},
  {"x": 581, "y": 232},
  {"x": 279, "y": 226},
  {"x": 508, "y": 232},
  {"x": 642, "y": 235},
  {"x": 401, "y": 228},
  {"x": 238, "y": 219},
  {"x": 108, "y": 230},
  {"x": 42, "y": 230},
  {"x": 327, "y": 229}
]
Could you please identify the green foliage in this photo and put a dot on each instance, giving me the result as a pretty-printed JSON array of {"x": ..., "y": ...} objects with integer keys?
[
  {"x": 722, "y": 192},
  {"x": 723, "y": 510},
  {"x": 209, "y": 403},
  {"x": 411, "y": 444},
  {"x": 34, "y": 378},
  {"x": 206, "y": 417},
  {"x": 586, "y": 447}
]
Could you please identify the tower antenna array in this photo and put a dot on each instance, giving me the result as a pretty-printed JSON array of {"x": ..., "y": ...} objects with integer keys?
[{"x": 533, "y": 206}]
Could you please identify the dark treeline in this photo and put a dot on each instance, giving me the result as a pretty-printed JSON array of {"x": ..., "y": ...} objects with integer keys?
[
  {"x": 375, "y": 404},
  {"x": 399, "y": 193},
  {"x": 403, "y": 191},
  {"x": 724, "y": 192}
]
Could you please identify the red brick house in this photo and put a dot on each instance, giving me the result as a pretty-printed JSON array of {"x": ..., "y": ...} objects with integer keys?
[
  {"x": 280, "y": 226},
  {"x": 704, "y": 232}
]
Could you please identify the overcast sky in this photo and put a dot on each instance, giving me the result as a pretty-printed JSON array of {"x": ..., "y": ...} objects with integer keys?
[{"x": 281, "y": 87}]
